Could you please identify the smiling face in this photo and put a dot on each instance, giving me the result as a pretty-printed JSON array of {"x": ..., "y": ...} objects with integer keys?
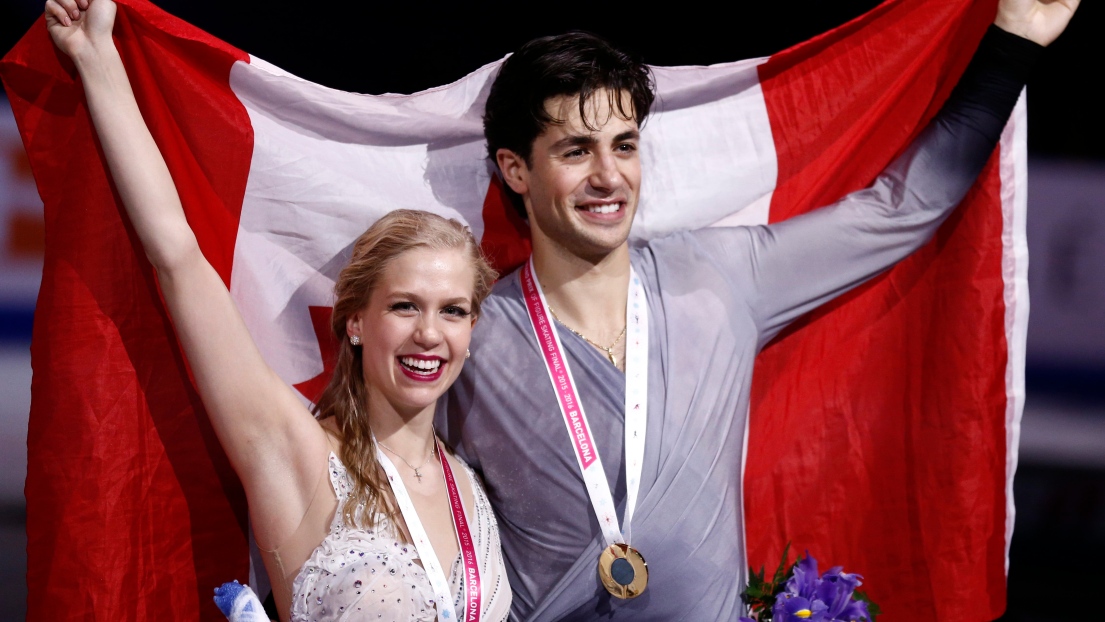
[
  {"x": 582, "y": 183},
  {"x": 416, "y": 328}
]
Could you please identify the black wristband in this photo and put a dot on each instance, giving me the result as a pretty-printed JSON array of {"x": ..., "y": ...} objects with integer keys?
[
  {"x": 1007, "y": 53},
  {"x": 992, "y": 82}
]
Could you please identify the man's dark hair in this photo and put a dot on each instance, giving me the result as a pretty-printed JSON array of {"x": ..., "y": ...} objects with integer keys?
[{"x": 576, "y": 63}]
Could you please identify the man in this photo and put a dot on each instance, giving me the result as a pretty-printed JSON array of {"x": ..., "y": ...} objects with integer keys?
[{"x": 563, "y": 123}]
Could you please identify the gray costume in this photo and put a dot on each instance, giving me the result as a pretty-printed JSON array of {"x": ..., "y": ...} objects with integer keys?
[{"x": 716, "y": 296}]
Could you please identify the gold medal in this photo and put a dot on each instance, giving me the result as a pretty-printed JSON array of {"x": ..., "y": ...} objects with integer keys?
[{"x": 623, "y": 571}]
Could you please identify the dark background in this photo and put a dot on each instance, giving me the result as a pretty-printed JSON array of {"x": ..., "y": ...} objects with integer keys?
[{"x": 407, "y": 47}]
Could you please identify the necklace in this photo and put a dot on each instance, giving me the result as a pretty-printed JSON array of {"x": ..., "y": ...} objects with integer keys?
[
  {"x": 417, "y": 469},
  {"x": 609, "y": 350}
]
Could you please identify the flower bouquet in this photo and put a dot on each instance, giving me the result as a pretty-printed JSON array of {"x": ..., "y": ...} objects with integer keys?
[{"x": 798, "y": 594}]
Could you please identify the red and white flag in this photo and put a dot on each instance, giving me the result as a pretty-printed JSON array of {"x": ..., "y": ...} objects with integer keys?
[{"x": 884, "y": 426}]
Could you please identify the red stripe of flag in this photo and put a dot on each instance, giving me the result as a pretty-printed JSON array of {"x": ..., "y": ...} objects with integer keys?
[
  {"x": 133, "y": 512},
  {"x": 877, "y": 438}
]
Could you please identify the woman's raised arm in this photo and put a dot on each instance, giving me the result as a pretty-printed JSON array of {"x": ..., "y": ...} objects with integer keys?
[{"x": 275, "y": 445}]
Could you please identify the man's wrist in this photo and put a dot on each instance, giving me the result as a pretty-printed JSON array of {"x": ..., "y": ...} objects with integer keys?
[
  {"x": 1017, "y": 28},
  {"x": 989, "y": 88},
  {"x": 1009, "y": 52}
]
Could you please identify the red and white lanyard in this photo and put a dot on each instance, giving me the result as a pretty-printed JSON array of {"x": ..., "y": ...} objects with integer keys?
[
  {"x": 575, "y": 419},
  {"x": 443, "y": 595}
]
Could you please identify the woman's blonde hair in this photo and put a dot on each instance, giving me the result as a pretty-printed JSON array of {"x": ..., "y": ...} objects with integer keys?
[{"x": 345, "y": 397}]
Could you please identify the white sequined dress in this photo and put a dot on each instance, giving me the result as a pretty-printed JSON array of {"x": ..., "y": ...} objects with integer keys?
[{"x": 371, "y": 574}]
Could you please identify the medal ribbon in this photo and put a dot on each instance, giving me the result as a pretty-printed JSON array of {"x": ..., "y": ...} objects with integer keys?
[
  {"x": 575, "y": 419},
  {"x": 473, "y": 593}
]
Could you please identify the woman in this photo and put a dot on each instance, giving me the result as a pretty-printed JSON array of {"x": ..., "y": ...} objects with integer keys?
[{"x": 357, "y": 512}]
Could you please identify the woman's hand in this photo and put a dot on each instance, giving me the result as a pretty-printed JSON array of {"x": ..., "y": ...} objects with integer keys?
[
  {"x": 1040, "y": 21},
  {"x": 277, "y": 448},
  {"x": 79, "y": 26}
]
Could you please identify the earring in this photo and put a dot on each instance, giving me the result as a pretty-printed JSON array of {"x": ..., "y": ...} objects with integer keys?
[
  {"x": 354, "y": 340},
  {"x": 467, "y": 353}
]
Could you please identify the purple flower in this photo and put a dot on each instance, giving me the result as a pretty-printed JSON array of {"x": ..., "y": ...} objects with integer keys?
[
  {"x": 854, "y": 611},
  {"x": 790, "y": 608},
  {"x": 808, "y": 597},
  {"x": 836, "y": 591},
  {"x": 805, "y": 580}
]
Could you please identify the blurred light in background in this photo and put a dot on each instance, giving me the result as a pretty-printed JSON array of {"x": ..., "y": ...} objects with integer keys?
[
  {"x": 1065, "y": 420},
  {"x": 22, "y": 239},
  {"x": 1059, "y": 488}
]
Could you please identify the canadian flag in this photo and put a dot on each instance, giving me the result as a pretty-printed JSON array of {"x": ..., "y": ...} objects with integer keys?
[{"x": 884, "y": 426}]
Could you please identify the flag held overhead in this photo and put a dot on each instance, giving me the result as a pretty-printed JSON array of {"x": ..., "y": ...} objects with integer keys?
[{"x": 903, "y": 455}]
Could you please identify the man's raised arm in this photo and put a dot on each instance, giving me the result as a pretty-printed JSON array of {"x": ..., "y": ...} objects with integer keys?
[{"x": 789, "y": 268}]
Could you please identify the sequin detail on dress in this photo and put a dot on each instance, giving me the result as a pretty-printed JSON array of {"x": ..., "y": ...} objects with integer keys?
[{"x": 371, "y": 574}]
